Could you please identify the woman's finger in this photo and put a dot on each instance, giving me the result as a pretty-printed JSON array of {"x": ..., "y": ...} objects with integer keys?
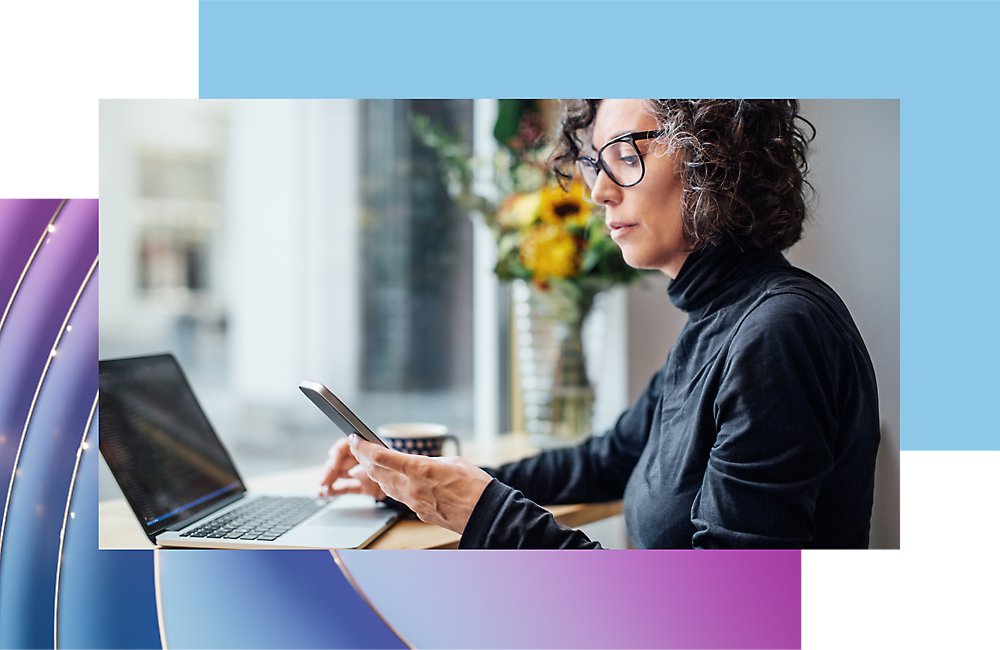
[
  {"x": 358, "y": 483},
  {"x": 388, "y": 468},
  {"x": 388, "y": 480},
  {"x": 339, "y": 461},
  {"x": 331, "y": 473},
  {"x": 441, "y": 491},
  {"x": 382, "y": 456},
  {"x": 345, "y": 486}
]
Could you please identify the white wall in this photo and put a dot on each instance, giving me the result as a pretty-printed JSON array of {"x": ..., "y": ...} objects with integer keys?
[
  {"x": 117, "y": 174},
  {"x": 852, "y": 243},
  {"x": 130, "y": 324},
  {"x": 292, "y": 206}
]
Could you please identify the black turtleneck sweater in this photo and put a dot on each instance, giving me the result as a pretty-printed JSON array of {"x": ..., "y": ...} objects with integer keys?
[{"x": 759, "y": 432}]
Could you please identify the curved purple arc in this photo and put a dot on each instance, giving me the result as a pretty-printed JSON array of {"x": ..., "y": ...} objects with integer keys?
[{"x": 350, "y": 579}]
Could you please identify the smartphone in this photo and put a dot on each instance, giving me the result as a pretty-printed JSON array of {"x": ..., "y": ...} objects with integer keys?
[{"x": 338, "y": 412}]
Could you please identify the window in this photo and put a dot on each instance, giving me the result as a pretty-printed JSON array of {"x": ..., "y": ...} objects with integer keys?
[
  {"x": 264, "y": 243},
  {"x": 416, "y": 263}
]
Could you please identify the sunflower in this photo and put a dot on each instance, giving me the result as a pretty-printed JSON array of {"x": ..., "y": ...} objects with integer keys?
[
  {"x": 520, "y": 210},
  {"x": 562, "y": 208},
  {"x": 549, "y": 251}
]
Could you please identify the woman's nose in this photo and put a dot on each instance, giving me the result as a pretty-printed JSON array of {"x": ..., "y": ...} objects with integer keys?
[{"x": 605, "y": 190}]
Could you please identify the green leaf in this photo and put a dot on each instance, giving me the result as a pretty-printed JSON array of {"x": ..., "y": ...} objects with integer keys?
[
  {"x": 507, "y": 244},
  {"x": 590, "y": 260},
  {"x": 512, "y": 269},
  {"x": 509, "y": 115}
]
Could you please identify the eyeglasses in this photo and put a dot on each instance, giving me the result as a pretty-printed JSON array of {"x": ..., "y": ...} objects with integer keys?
[{"x": 620, "y": 159}]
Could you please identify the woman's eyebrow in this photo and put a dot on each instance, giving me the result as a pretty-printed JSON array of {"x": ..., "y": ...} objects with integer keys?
[{"x": 618, "y": 135}]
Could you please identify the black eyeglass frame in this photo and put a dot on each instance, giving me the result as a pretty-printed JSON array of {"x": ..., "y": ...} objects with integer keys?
[{"x": 631, "y": 138}]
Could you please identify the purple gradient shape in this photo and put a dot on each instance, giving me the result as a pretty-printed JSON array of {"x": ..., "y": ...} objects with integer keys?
[
  {"x": 22, "y": 222},
  {"x": 36, "y": 316},
  {"x": 41, "y": 487},
  {"x": 586, "y": 599},
  {"x": 946, "y": 496},
  {"x": 668, "y": 599}
]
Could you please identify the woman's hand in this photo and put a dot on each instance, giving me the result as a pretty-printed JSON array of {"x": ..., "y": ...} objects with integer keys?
[
  {"x": 442, "y": 491},
  {"x": 343, "y": 475}
]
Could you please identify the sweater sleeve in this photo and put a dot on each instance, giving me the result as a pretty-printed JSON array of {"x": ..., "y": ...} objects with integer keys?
[
  {"x": 507, "y": 514},
  {"x": 504, "y": 519},
  {"x": 776, "y": 419},
  {"x": 594, "y": 471}
]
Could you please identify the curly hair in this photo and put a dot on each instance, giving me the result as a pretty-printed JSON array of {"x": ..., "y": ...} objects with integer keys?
[{"x": 743, "y": 165}]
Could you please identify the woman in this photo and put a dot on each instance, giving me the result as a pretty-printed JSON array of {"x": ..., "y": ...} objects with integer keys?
[{"x": 761, "y": 429}]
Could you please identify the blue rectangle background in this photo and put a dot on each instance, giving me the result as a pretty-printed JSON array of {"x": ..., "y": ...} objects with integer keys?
[{"x": 939, "y": 58}]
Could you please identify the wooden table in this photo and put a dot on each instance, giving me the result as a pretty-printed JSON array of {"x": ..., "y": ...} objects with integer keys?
[{"x": 118, "y": 528}]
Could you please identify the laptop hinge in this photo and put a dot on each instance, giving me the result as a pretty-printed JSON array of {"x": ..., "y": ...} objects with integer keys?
[{"x": 201, "y": 514}]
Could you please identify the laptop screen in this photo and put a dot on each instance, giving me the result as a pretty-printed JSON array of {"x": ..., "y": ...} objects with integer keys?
[{"x": 158, "y": 443}]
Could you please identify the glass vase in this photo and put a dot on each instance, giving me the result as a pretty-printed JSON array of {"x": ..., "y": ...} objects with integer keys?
[{"x": 556, "y": 396}]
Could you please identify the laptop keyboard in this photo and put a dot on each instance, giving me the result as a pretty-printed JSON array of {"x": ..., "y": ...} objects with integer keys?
[{"x": 263, "y": 518}]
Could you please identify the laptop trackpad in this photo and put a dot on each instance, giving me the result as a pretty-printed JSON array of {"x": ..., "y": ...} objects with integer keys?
[{"x": 350, "y": 517}]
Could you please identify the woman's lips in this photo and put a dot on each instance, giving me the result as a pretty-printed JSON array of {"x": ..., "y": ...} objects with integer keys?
[{"x": 619, "y": 229}]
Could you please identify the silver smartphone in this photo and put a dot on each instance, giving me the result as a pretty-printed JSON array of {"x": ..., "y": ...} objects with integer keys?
[{"x": 334, "y": 409}]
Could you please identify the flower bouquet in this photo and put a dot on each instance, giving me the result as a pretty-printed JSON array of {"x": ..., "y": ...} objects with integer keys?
[{"x": 553, "y": 244}]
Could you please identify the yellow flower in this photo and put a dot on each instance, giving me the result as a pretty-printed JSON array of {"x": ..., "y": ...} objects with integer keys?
[
  {"x": 549, "y": 251},
  {"x": 520, "y": 210},
  {"x": 562, "y": 208}
]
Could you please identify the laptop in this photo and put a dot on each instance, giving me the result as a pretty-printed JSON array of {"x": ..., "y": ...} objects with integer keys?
[{"x": 183, "y": 487}]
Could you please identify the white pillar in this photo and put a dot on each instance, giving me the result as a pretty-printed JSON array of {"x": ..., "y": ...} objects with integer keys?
[
  {"x": 606, "y": 343},
  {"x": 119, "y": 284},
  {"x": 486, "y": 361}
]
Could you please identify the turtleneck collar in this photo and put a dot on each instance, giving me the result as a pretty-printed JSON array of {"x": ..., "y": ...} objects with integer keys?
[{"x": 709, "y": 272}]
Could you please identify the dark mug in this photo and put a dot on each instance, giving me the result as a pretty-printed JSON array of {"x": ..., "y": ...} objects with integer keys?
[{"x": 420, "y": 438}]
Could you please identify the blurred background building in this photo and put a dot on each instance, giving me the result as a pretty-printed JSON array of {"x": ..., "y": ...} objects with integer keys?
[{"x": 267, "y": 242}]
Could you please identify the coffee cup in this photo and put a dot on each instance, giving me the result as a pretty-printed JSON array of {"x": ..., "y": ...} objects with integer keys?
[{"x": 420, "y": 438}]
